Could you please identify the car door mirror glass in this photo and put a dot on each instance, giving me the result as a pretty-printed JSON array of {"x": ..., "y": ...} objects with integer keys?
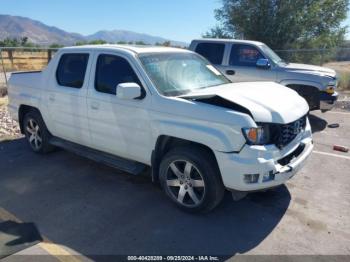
[
  {"x": 128, "y": 91},
  {"x": 263, "y": 63}
]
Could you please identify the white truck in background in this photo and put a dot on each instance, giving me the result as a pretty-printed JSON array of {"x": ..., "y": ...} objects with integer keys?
[
  {"x": 242, "y": 61},
  {"x": 168, "y": 109}
]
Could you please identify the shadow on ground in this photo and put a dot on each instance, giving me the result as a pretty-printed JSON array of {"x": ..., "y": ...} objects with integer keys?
[
  {"x": 97, "y": 210},
  {"x": 16, "y": 236},
  {"x": 317, "y": 124}
]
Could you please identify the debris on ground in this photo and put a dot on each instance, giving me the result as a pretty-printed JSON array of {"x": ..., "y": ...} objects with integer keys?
[
  {"x": 333, "y": 125},
  {"x": 343, "y": 102},
  {"x": 340, "y": 148}
]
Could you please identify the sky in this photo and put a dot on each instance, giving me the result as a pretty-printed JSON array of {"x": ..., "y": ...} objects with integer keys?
[
  {"x": 173, "y": 19},
  {"x": 180, "y": 20},
  {"x": 347, "y": 22}
]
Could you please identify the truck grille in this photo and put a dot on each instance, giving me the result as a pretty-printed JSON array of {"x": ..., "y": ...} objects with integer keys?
[{"x": 284, "y": 134}]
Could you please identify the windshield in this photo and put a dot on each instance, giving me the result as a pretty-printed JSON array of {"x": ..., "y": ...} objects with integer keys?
[
  {"x": 272, "y": 55},
  {"x": 176, "y": 74}
]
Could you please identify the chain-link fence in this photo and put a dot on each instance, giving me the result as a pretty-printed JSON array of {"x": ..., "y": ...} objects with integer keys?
[
  {"x": 25, "y": 59},
  {"x": 315, "y": 56},
  {"x": 336, "y": 58},
  {"x": 16, "y": 59}
]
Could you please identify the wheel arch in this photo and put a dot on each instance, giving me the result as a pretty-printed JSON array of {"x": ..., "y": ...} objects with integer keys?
[
  {"x": 296, "y": 82},
  {"x": 22, "y": 111},
  {"x": 165, "y": 143},
  {"x": 310, "y": 93}
]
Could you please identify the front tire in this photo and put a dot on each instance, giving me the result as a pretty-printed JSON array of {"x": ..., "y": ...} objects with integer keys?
[
  {"x": 191, "y": 179},
  {"x": 36, "y": 132}
]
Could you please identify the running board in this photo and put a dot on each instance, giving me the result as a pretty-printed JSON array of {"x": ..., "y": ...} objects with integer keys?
[{"x": 123, "y": 164}]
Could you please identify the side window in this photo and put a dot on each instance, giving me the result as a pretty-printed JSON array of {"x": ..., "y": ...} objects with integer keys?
[
  {"x": 111, "y": 71},
  {"x": 244, "y": 55},
  {"x": 71, "y": 70},
  {"x": 214, "y": 52}
]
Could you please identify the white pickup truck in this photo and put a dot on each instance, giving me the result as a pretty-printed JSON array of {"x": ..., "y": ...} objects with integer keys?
[
  {"x": 168, "y": 109},
  {"x": 246, "y": 61}
]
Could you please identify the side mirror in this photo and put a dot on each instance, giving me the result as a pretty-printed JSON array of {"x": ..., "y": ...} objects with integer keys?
[
  {"x": 128, "y": 91},
  {"x": 263, "y": 63}
]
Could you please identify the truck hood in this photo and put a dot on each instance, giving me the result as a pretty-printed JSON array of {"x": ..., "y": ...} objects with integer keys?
[
  {"x": 310, "y": 69},
  {"x": 266, "y": 102}
]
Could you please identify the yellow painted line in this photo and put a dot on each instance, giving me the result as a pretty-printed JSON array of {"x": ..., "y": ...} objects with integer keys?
[
  {"x": 330, "y": 154},
  {"x": 59, "y": 252},
  {"x": 5, "y": 215},
  {"x": 55, "y": 250}
]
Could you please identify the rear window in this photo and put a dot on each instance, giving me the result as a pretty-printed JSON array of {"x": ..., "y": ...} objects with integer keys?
[
  {"x": 71, "y": 70},
  {"x": 214, "y": 52}
]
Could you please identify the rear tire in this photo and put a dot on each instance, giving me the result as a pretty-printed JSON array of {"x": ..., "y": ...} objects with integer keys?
[
  {"x": 191, "y": 179},
  {"x": 36, "y": 132}
]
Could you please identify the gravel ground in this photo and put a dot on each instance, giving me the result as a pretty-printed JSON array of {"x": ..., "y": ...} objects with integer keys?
[
  {"x": 343, "y": 102},
  {"x": 8, "y": 127}
]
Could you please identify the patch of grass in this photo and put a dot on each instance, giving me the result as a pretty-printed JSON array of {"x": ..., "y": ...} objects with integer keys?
[
  {"x": 344, "y": 80},
  {"x": 343, "y": 70},
  {"x": 3, "y": 101}
]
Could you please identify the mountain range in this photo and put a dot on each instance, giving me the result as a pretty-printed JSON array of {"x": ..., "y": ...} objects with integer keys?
[{"x": 42, "y": 34}]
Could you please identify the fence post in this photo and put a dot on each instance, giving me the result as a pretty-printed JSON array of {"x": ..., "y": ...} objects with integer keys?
[
  {"x": 49, "y": 55},
  {"x": 10, "y": 55},
  {"x": 322, "y": 57},
  {"x": 3, "y": 66}
]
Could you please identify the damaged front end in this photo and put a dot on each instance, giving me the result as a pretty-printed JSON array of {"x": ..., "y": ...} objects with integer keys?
[{"x": 216, "y": 100}]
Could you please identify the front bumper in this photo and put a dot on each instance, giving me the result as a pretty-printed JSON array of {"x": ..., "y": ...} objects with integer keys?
[
  {"x": 264, "y": 160},
  {"x": 327, "y": 101}
]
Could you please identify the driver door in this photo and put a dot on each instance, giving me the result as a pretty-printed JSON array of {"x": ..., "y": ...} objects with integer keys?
[
  {"x": 117, "y": 126},
  {"x": 242, "y": 65}
]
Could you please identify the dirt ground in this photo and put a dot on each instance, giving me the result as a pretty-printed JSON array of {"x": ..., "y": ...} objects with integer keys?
[{"x": 340, "y": 66}]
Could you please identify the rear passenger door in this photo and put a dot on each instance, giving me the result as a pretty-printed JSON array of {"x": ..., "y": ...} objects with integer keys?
[
  {"x": 120, "y": 127},
  {"x": 66, "y": 97}
]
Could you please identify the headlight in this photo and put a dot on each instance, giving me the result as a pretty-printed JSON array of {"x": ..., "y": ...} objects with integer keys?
[
  {"x": 331, "y": 86},
  {"x": 330, "y": 90},
  {"x": 257, "y": 135}
]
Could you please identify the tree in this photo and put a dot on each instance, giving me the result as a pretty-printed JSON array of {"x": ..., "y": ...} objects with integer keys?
[
  {"x": 24, "y": 41},
  {"x": 166, "y": 43},
  {"x": 140, "y": 43},
  {"x": 283, "y": 24},
  {"x": 10, "y": 42},
  {"x": 14, "y": 42},
  {"x": 218, "y": 32},
  {"x": 97, "y": 42},
  {"x": 56, "y": 46}
]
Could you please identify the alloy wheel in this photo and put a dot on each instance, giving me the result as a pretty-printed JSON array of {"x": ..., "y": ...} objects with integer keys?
[
  {"x": 34, "y": 134},
  {"x": 185, "y": 183}
]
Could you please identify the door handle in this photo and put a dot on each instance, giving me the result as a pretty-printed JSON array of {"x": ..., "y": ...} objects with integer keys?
[
  {"x": 230, "y": 72},
  {"x": 94, "y": 106},
  {"x": 51, "y": 98}
]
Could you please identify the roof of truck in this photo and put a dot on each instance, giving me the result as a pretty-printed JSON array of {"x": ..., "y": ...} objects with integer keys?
[
  {"x": 219, "y": 40},
  {"x": 133, "y": 48}
]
